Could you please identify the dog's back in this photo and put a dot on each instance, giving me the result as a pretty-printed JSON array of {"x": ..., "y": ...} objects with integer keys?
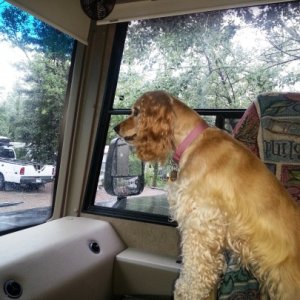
[
  {"x": 264, "y": 221},
  {"x": 223, "y": 196}
]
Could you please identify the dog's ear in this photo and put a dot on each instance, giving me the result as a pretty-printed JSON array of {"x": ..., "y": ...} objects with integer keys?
[{"x": 155, "y": 131}]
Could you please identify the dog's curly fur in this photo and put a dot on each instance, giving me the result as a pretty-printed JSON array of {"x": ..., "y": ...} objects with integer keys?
[{"x": 224, "y": 198}]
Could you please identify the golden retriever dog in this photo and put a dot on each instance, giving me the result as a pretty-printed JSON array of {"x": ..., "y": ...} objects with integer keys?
[{"x": 222, "y": 198}]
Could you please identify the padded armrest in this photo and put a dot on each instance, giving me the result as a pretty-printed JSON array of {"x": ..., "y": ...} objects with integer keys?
[
  {"x": 53, "y": 261},
  {"x": 141, "y": 273}
]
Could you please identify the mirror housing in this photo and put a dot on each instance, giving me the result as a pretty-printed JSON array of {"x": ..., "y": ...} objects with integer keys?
[{"x": 124, "y": 172}]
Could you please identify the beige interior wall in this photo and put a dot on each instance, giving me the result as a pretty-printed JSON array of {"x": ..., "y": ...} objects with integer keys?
[
  {"x": 53, "y": 261},
  {"x": 154, "y": 238}
]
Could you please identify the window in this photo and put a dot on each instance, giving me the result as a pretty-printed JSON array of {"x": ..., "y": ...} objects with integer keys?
[
  {"x": 35, "y": 62},
  {"x": 217, "y": 62}
]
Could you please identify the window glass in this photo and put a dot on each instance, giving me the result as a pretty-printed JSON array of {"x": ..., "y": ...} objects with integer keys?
[
  {"x": 35, "y": 61},
  {"x": 212, "y": 61},
  {"x": 218, "y": 59}
]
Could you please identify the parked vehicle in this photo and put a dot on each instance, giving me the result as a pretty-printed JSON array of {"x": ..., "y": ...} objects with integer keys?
[{"x": 20, "y": 172}]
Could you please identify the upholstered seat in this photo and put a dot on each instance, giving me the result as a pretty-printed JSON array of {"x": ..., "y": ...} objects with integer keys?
[{"x": 270, "y": 128}]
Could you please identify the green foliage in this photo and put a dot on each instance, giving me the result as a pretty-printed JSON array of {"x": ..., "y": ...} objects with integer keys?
[
  {"x": 197, "y": 57},
  {"x": 155, "y": 175},
  {"x": 16, "y": 27},
  {"x": 34, "y": 110},
  {"x": 3, "y": 122},
  {"x": 39, "y": 127}
]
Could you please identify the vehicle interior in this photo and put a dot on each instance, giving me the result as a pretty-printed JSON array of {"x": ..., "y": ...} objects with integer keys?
[{"x": 84, "y": 245}]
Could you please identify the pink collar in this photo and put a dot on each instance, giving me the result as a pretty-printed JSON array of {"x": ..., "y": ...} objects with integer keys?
[{"x": 188, "y": 140}]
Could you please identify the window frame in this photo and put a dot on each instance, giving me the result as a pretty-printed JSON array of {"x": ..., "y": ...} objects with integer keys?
[
  {"x": 60, "y": 141},
  {"x": 106, "y": 112}
]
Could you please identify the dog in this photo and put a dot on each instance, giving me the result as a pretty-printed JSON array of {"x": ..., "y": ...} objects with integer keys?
[{"x": 223, "y": 197}]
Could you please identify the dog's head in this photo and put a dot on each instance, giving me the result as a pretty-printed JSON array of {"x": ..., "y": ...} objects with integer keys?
[{"x": 149, "y": 127}]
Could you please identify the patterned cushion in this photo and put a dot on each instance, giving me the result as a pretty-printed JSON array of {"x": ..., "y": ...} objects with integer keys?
[{"x": 270, "y": 128}]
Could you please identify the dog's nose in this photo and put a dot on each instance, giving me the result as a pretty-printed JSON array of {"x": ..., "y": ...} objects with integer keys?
[{"x": 117, "y": 128}]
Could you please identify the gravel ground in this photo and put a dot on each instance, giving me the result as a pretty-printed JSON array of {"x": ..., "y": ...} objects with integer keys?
[{"x": 13, "y": 200}]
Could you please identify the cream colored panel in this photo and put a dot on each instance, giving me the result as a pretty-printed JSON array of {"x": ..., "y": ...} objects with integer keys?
[
  {"x": 65, "y": 15},
  {"x": 139, "y": 272},
  {"x": 145, "y": 9},
  {"x": 53, "y": 261},
  {"x": 142, "y": 273},
  {"x": 154, "y": 238}
]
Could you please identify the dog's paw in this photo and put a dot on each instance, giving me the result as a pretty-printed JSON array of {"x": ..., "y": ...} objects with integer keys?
[
  {"x": 178, "y": 296},
  {"x": 185, "y": 291},
  {"x": 180, "y": 292}
]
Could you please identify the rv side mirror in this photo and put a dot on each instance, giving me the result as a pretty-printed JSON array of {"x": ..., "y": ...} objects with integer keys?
[{"x": 124, "y": 172}]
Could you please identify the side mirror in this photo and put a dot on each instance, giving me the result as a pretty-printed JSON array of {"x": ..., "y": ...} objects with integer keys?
[{"x": 124, "y": 172}]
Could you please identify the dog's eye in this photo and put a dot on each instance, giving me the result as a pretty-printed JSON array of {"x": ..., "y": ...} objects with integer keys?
[{"x": 136, "y": 111}]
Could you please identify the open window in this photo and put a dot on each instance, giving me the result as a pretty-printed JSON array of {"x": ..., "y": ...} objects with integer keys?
[
  {"x": 35, "y": 62},
  {"x": 217, "y": 62}
]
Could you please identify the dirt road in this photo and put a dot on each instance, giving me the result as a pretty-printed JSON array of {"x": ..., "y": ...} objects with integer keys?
[{"x": 13, "y": 200}]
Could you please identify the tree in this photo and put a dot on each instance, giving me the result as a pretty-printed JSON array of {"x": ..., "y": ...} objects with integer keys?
[
  {"x": 16, "y": 28},
  {"x": 13, "y": 113},
  {"x": 3, "y": 122},
  {"x": 279, "y": 24},
  {"x": 196, "y": 57},
  {"x": 43, "y": 107},
  {"x": 41, "y": 97}
]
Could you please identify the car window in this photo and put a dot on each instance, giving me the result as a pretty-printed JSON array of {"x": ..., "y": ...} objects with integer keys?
[
  {"x": 35, "y": 61},
  {"x": 217, "y": 62}
]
